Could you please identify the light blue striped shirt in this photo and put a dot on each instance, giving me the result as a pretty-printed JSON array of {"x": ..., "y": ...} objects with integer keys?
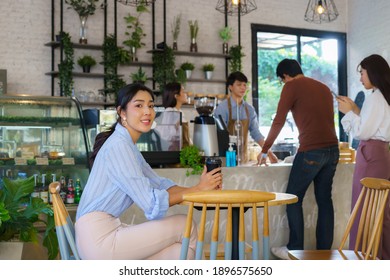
[
  {"x": 223, "y": 110},
  {"x": 120, "y": 176}
]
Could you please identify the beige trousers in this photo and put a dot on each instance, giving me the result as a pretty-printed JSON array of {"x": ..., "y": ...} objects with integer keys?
[{"x": 102, "y": 236}]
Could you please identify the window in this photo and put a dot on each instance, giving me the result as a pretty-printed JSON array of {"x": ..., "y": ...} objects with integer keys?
[{"x": 322, "y": 56}]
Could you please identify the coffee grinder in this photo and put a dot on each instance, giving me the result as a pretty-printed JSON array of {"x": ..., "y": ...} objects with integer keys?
[{"x": 210, "y": 134}]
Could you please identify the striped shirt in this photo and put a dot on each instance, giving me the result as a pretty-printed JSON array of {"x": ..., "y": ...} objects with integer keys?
[{"x": 120, "y": 176}]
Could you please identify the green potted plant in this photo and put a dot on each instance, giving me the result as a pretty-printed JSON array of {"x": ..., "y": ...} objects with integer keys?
[
  {"x": 236, "y": 56},
  {"x": 135, "y": 33},
  {"x": 190, "y": 157},
  {"x": 208, "y": 70},
  {"x": 84, "y": 8},
  {"x": 188, "y": 67},
  {"x": 194, "y": 29},
  {"x": 86, "y": 62},
  {"x": 21, "y": 214},
  {"x": 175, "y": 29},
  {"x": 139, "y": 76},
  {"x": 65, "y": 68},
  {"x": 226, "y": 35}
]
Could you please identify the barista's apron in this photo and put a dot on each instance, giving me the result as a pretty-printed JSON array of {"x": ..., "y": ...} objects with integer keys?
[{"x": 245, "y": 128}]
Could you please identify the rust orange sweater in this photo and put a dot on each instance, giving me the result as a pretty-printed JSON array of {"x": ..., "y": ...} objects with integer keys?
[{"x": 311, "y": 104}]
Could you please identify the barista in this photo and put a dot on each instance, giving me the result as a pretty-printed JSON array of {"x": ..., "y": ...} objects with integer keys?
[{"x": 227, "y": 109}]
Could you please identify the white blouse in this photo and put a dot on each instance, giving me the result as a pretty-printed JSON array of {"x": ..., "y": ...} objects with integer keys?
[{"x": 373, "y": 121}]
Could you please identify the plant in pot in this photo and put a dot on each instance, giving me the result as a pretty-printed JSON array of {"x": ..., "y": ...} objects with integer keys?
[
  {"x": 188, "y": 67},
  {"x": 21, "y": 214},
  {"x": 84, "y": 8},
  {"x": 133, "y": 24},
  {"x": 65, "y": 68},
  {"x": 139, "y": 76},
  {"x": 194, "y": 29},
  {"x": 236, "y": 56},
  {"x": 86, "y": 62},
  {"x": 175, "y": 29},
  {"x": 208, "y": 70},
  {"x": 226, "y": 35}
]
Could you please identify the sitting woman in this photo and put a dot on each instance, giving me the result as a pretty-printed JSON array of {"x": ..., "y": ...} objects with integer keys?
[
  {"x": 174, "y": 97},
  {"x": 120, "y": 176}
]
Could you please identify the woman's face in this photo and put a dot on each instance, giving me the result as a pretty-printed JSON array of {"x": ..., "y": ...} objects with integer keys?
[
  {"x": 364, "y": 79},
  {"x": 181, "y": 98},
  {"x": 139, "y": 114}
]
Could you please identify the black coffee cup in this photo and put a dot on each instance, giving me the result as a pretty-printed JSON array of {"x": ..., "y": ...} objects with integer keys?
[{"x": 212, "y": 163}]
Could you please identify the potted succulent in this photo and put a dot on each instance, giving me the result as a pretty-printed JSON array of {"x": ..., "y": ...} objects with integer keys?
[
  {"x": 194, "y": 29},
  {"x": 226, "y": 35},
  {"x": 175, "y": 29},
  {"x": 84, "y": 8},
  {"x": 188, "y": 67},
  {"x": 139, "y": 76},
  {"x": 21, "y": 214},
  {"x": 86, "y": 62},
  {"x": 208, "y": 70}
]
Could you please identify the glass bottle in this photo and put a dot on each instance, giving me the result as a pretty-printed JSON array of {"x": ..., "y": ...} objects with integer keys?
[
  {"x": 70, "y": 192},
  {"x": 77, "y": 191},
  {"x": 63, "y": 189},
  {"x": 43, "y": 193},
  {"x": 35, "y": 192}
]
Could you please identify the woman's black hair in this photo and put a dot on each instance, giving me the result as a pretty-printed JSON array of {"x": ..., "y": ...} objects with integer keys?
[
  {"x": 125, "y": 95},
  {"x": 170, "y": 90},
  {"x": 378, "y": 72}
]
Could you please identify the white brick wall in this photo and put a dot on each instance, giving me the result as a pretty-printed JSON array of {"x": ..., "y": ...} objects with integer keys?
[{"x": 25, "y": 26}]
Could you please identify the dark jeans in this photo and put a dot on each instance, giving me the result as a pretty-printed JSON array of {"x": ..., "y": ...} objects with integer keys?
[{"x": 318, "y": 166}]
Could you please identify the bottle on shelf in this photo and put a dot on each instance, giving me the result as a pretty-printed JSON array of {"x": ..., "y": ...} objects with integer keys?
[
  {"x": 36, "y": 190},
  {"x": 63, "y": 189},
  {"x": 77, "y": 191},
  {"x": 53, "y": 179},
  {"x": 70, "y": 192},
  {"x": 44, "y": 193},
  {"x": 230, "y": 156}
]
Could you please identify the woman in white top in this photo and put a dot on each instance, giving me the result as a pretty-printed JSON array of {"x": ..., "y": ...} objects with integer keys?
[
  {"x": 371, "y": 125},
  {"x": 174, "y": 97}
]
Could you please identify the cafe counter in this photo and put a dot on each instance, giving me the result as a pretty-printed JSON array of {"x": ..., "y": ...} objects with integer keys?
[{"x": 272, "y": 178}]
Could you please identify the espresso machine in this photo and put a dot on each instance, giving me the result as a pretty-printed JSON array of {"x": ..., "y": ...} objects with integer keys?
[{"x": 210, "y": 134}]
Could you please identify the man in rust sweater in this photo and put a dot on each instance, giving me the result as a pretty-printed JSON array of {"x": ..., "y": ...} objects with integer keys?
[{"x": 311, "y": 104}]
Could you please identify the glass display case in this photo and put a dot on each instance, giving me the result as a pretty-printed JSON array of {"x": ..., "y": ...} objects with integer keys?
[{"x": 42, "y": 135}]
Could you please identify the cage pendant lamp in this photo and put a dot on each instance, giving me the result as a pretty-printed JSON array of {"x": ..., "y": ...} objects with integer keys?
[
  {"x": 136, "y": 3},
  {"x": 235, "y": 7},
  {"x": 319, "y": 11}
]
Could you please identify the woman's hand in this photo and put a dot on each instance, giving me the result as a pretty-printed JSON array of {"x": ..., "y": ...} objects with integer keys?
[
  {"x": 210, "y": 180},
  {"x": 346, "y": 105}
]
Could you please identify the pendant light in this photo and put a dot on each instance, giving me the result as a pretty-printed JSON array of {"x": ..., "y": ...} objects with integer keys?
[
  {"x": 319, "y": 11},
  {"x": 235, "y": 7}
]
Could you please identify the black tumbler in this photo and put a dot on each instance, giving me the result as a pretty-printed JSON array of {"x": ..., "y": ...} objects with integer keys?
[{"x": 212, "y": 163}]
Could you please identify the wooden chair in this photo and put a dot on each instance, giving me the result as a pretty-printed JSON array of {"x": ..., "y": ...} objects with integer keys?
[
  {"x": 372, "y": 202},
  {"x": 64, "y": 225},
  {"x": 347, "y": 154},
  {"x": 231, "y": 200}
]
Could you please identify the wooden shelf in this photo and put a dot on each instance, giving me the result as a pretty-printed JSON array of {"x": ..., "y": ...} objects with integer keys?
[
  {"x": 78, "y": 74},
  {"x": 76, "y": 46},
  {"x": 138, "y": 63},
  {"x": 206, "y": 81},
  {"x": 197, "y": 54}
]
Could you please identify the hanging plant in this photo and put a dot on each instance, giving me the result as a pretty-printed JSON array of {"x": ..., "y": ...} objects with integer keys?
[
  {"x": 111, "y": 59},
  {"x": 65, "y": 67},
  {"x": 235, "y": 61},
  {"x": 164, "y": 67}
]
